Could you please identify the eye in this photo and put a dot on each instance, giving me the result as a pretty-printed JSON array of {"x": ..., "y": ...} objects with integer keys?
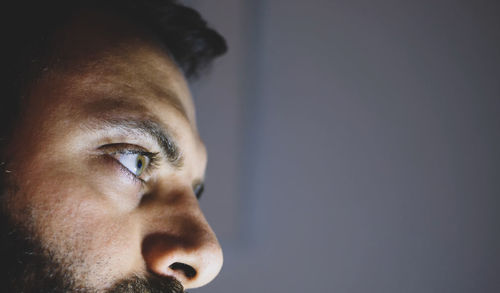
[
  {"x": 133, "y": 159},
  {"x": 198, "y": 190},
  {"x": 136, "y": 163}
]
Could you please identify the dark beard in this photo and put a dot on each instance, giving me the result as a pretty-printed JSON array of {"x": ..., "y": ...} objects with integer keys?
[
  {"x": 150, "y": 285},
  {"x": 26, "y": 268}
]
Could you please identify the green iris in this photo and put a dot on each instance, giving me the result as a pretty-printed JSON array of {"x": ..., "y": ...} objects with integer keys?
[
  {"x": 140, "y": 163},
  {"x": 136, "y": 163}
]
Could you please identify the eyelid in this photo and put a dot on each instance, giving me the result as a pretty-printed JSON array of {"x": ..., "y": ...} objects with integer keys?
[
  {"x": 198, "y": 189},
  {"x": 123, "y": 148}
]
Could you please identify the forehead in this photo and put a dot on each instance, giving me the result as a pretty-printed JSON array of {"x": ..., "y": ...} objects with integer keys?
[
  {"x": 114, "y": 59},
  {"x": 104, "y": 67}
]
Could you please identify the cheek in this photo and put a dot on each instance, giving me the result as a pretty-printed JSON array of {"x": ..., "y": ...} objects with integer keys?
[
  {"x": 100, "y": 241},
  {"x": 81, "y": 225},
  {"x": 111, "y": 182},
  {"x": 103, "y": 245}
]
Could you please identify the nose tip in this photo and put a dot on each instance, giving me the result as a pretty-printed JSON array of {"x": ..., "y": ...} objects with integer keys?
[{"x": 192, "y": 261}]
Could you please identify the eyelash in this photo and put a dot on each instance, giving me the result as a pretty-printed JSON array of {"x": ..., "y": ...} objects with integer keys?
[
  {"x": 154, "y": 162},
  {"x": 198, "y": 190},
  {"x": 121, "y": 148}
]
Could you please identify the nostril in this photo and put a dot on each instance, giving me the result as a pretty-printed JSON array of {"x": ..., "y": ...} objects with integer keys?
[
  {"x": 187, "y": 270},
  {"x": 194, "y": 257}
]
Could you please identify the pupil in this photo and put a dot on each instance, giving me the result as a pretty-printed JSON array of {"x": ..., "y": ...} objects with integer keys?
[{"x": 139, "y": 164}]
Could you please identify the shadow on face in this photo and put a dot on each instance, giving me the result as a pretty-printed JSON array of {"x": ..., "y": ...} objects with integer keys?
[{"x": 105, "y": 162}]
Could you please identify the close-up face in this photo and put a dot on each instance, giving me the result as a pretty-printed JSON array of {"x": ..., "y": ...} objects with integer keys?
[{"x": 106, "y": 164}]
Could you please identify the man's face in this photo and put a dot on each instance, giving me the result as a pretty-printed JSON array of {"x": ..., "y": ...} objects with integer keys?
[{"x": 105, "y": 161}]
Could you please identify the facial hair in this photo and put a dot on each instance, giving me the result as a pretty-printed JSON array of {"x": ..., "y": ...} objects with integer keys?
[
  {"x": 26, "y": 268},
  {"x": 152, "y": 284}
]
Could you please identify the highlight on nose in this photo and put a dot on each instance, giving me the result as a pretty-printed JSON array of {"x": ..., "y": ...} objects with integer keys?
[{"x": 193, "y": 262}]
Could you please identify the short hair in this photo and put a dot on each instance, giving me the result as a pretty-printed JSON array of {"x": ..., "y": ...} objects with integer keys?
[{"x": 27, "y": 25}]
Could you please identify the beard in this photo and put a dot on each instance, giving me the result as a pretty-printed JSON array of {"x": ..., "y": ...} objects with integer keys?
[
  {"x": 25, "y": 267},
  {"x": 152, "y": 284}
]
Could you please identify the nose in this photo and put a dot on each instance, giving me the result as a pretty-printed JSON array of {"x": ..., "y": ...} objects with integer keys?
[{"x": 181, "y": 244}]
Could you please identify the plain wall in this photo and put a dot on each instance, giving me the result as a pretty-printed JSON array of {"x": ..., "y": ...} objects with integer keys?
[{"x": 354, "y": 146}]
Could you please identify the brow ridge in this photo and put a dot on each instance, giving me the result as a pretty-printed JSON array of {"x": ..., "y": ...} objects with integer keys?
[{"x": 150, "y": 128}]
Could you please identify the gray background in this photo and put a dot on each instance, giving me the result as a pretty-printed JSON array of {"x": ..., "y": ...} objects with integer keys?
[{"x": 354, "y": 146}]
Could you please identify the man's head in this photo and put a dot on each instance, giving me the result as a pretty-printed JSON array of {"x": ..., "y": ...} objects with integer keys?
[{"x": 103, "y": 162}]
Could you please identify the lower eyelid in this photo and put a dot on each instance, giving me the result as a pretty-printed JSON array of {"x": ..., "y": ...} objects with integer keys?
[
  {"x": 115, "y": 164},
  {"x": 109, "y": 180}
]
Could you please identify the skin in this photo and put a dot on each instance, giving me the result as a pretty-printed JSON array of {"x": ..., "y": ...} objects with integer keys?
[{"x": 73, "y": 194}]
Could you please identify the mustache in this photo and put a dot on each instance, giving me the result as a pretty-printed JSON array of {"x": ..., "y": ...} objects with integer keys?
[{"x": 150, "y": 284}]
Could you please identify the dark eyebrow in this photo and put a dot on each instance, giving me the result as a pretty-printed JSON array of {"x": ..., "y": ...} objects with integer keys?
[{"x": 152, "y": 129}]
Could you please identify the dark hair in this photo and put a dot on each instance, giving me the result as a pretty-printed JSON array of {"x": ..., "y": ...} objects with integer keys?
[{"x": 27, "y": 25}]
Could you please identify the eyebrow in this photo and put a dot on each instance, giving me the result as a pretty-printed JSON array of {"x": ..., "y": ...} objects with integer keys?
[{"x": 148, "y": 127}]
